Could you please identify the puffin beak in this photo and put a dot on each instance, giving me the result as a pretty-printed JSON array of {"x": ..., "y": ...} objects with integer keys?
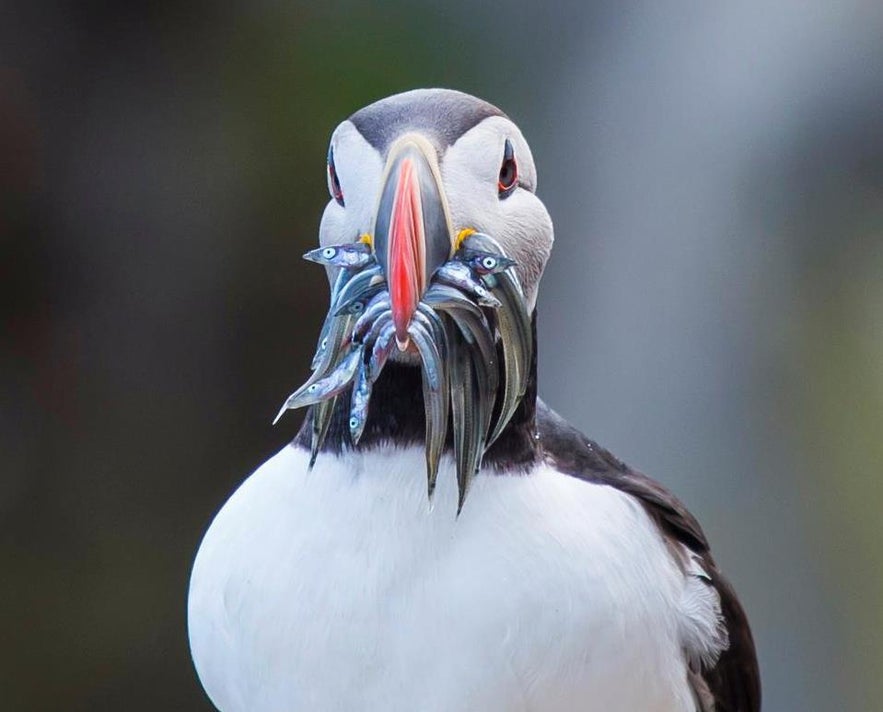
[{"x": 412, "y": 232}]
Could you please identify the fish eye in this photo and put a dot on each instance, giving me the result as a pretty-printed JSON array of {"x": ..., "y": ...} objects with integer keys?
[
  {"x": 328, "y": 253},
  {"x": 354, "y": 423},
  {"x": 357, "y": 307},
  {"x": 312, "y": 388},
  {"x": 489, "y": 262},
  {"x": 508, "y": 172},
  {"x": 333, "y": 180},
  {"x": 324, "y": 342}
]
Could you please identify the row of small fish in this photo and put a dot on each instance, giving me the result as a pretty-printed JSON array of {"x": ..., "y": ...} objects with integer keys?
[{"x": 452, "y": 335}]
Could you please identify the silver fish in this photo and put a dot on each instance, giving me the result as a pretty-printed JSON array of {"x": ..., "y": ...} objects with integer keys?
[
  {"x": 466, "y": 419},
  {"x": 436, "y": 398},
  {"x": 457, "y": 274},
  {"x": 343, "y": 276},
  {"x": 432, "y": 322},
  {"x": 442, "y": 297},
  {"x": 514, "y": 325},
  {"x": 322, "y": 413},
  {"x": 356, "y": 287},
  {"x": 381, "y": 350},
  {"x": 352, "y": 255},
  {"x": 357, "y": 304},
  {"x": 332, "y": 384},
  {"x": 329, "y": 348},
  {"x": 367, "y": 319},
  {"x": 359, "y": 402},
  {"x": 378, "y": 325},
  {"x": 477, "y": 332},
  {"x": 482, "y": 262}
]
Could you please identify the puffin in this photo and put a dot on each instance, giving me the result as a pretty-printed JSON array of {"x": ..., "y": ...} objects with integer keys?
[{"x": 436, "y": 538}]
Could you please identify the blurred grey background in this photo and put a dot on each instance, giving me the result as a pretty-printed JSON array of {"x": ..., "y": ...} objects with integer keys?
[{"x": 713, "y": 311}]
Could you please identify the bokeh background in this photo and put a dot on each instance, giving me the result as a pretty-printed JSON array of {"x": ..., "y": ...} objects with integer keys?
[{"x": 713, "y": 311}]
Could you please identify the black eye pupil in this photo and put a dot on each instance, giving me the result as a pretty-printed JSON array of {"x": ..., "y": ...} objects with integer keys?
[
  {"x": 507, "y": 174},
  {"x": 508, "y": 171},
  {"x": 334, "y": 181}
]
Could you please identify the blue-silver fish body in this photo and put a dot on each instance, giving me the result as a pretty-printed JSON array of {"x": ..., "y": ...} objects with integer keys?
[
  {"x": 429, "y": 352},
  {"x": 467, "y": 418},
  {"x": 321, "y": 416},
  {"x": 358, "y": 285},
  {"x": 329, "y": 348},
  {"x": 352, "y": 255},
  {"x": 432, "y": 322},
  {"x": 436, "y": 397},
  {"x": 379, "y": 324},
  {"x": 380, "y": 351},
  {"x": 514, "y": 325},
  {"x": 458, "y": 274},
  {"x": 482, "y": 262},
  {"x": 332, "y": 384},
  {"x": 342, "y": 278},
  {"x": 359, "y": 402},
  {"x": 367, "y": 319},
  {"x": 357, "y": 304},
  {"x": 443, "y": 297}
]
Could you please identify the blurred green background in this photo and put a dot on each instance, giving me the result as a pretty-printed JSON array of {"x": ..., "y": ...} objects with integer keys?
[{"x": 713, "y": 311}]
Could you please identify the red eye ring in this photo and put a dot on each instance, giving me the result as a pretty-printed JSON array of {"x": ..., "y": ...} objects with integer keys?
[
  {"x": 508, "y": 179},
  {"x": 333, "y": 180}
]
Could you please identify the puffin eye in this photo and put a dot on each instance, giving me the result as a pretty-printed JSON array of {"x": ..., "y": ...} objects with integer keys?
[
  {"x": 508, "y": 171},
  {"x": 333, "y": 180}
]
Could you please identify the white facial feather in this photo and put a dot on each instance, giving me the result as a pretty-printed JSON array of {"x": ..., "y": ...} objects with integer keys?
[
  {"x": 519, "y": 222},
  {"x": 359, "y": 169}
]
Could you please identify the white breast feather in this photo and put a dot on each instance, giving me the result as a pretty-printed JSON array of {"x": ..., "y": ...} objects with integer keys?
[{"x": 342, "y": 589}]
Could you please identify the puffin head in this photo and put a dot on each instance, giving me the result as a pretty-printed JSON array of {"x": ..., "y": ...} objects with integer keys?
[
  {"x": 473, "y": 165},
  {"x": 435, "y": 242}
]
